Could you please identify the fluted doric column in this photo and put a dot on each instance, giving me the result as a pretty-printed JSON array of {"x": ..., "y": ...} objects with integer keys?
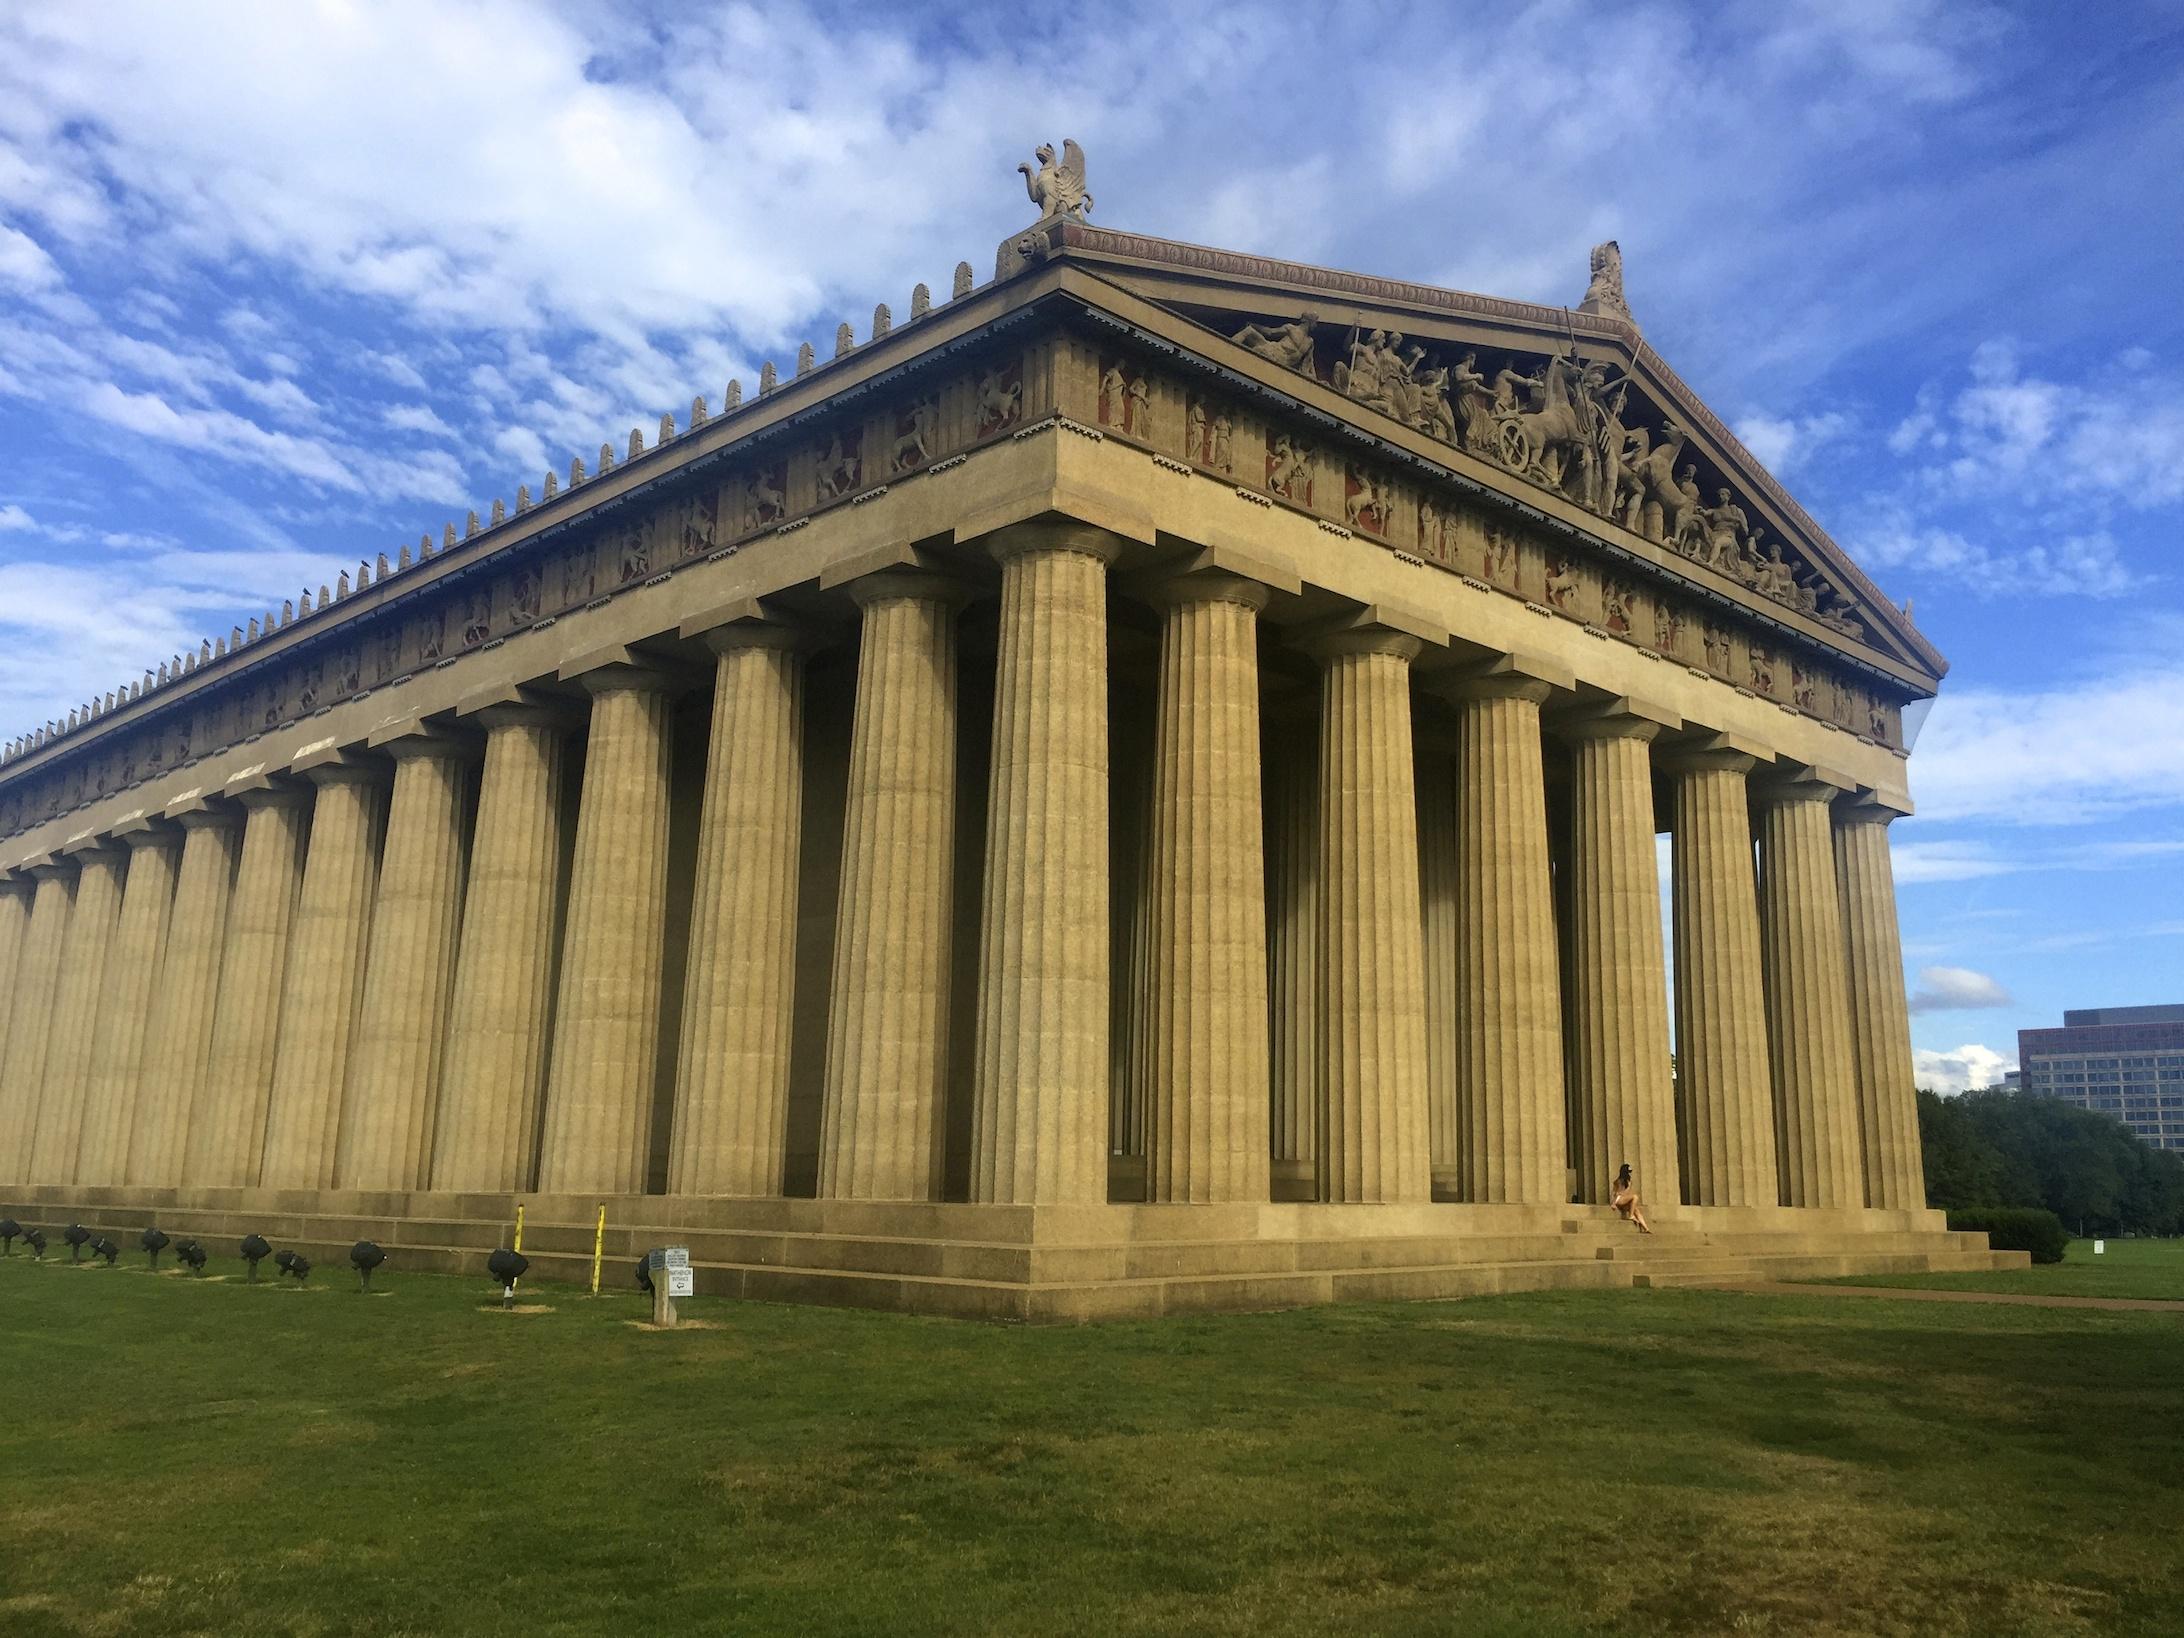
[
  {"x": 76, "y": 996},
  {"x": 1039, "y": 1111},
  {"x": 1724, "y": 1081},
  {"x": 1290, "y": 756},
  {"x": 30, "y": 1030},
  {"x": 1373, "y": 1143},
  {"x": 1808, "y": 999},
  {"x": 133, "y": 967},
  {"x": 1437, "y": 878},
  {"x": 323, "y": 991},
  {"x": 607, "y": 1017},
  {"x": 1880, "y": 1018},
  {"x": 1509, "y": 1056},
  {"x": 494, "y": 1080},
  {"x": 887, "y": 1037},
  {"x": 227, "y": 1132},
  {"x": 1618, "y": 1006},
  {"x": 15, "y": 894},
  {"x": 394, "y": 1066},
  {"x": 178, "y": 1040},
  {"x": 1208, "y": 1137},
  {"x": 739, "y": 1000}
]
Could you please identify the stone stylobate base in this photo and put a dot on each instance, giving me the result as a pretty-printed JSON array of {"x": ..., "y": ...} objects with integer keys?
[{"x": 1045, "y": 1263}]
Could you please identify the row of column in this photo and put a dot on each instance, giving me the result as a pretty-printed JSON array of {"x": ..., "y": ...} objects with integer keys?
[{"x": 332, "y": 984}]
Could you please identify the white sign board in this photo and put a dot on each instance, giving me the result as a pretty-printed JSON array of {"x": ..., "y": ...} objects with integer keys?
[
  {"x": 678, "y": 1257},
  {"x": 681, "y": 1282},
  {"x": 2100, "y": 1248}
]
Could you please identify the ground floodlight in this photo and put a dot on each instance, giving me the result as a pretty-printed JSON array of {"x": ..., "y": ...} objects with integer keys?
[
  {"x": 103, "y": 1247},
  {"x": 191, "y": 1253},
  {"x": 255, "y": 1249},
  {"x": 153, "y": 1241},
  {"x": 364, "y": 1257},
  {"x": 77, "y": 1237},
  {"x": 293, "y": 1262},
  {"x": 35, "y": 1239},
  {"x": 507, "y": 1267},
  {"x": 644, "y": 1275},
  {"x": 10, "y": 1232}
]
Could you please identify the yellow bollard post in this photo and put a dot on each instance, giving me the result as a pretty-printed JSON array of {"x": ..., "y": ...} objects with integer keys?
[
  {"x": 598, "y": 1244},
  {"x": 517, "y": 1248}
]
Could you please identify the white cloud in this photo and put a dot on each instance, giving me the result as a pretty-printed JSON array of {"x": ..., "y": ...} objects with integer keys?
[
  {"x": 1954, "y": 989},
  {"x": 416, "y": 418},
  {"x": 2114, "y": 434},
  {"x": 1960, "y": 1069},
  {"x": 24, "y": 262},
  {"x": 1947, "y": 861},
  {"x": 2082, "y": 750},
  {"x": 1785, "y": 443},
  {"x": 2088, "y": 565},
  {"x": 14, "y": 517}
]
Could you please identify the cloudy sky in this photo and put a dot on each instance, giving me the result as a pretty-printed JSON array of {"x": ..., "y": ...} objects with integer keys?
[{"x": 284, "y": 284}]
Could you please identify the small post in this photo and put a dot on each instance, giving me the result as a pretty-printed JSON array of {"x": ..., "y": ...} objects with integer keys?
[
  {"x": 671, "y": 1278},
  {"x": 598, "y": 1245}
]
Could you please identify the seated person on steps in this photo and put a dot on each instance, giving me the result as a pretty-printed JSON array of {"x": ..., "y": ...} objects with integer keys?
[{"x": 1625, "y": 1200}]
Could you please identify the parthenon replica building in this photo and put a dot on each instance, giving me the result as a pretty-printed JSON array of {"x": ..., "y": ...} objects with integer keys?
[{"x": 1131, "y": 788}]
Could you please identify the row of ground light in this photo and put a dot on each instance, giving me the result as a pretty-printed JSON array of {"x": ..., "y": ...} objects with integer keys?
[{"x": 506, "y": 1265}]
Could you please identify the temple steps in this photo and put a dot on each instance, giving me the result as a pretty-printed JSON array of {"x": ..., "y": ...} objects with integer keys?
[{"x": 1012, "y": 1265}]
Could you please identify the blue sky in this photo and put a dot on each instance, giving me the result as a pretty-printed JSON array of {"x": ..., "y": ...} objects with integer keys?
[{"x": 284, "y": 285}]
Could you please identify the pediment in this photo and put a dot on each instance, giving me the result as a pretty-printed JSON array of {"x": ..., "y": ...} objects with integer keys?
[{"x": 1571, "y": 402}]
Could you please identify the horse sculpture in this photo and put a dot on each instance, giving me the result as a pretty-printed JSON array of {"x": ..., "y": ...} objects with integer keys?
[
  {"x": 1659, "y": 507},
  {"x": 1540, "y": 440}
]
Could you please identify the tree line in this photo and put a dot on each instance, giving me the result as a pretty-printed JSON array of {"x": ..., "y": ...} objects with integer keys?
[{"x": 2020, "y": 1149}]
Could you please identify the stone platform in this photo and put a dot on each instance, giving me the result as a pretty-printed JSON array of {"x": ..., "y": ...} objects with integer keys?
[{"x": 1043, "y": 1263}]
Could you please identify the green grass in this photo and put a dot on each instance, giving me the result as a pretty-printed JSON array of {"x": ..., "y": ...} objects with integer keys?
[
  {"x": 2128, "y": 1268},
  {"x": 178, "y": 1456}
]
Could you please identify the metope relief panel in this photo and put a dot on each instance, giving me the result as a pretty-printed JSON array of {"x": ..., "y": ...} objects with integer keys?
[
  {"x": 1209, "y": 436},
  {"x": 1125, "y": 398}
]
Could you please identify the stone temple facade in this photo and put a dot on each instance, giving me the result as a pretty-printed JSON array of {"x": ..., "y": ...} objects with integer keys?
[{"x": 1133, "y": 788}]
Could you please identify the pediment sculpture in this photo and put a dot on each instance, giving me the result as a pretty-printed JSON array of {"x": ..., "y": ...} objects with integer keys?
[{"x": 1568, "y": 424}]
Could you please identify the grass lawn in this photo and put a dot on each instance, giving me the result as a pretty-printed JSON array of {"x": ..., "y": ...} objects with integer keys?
[
  {"x": 180, "y": 1456},
  {"x": 2128, "y": 1268}
]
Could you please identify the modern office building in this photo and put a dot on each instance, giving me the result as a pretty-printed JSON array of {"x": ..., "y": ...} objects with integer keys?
[{"x": 2122, "y": 1061}]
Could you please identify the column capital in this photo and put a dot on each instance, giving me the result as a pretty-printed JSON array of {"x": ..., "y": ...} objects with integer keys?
[
  {"x": 1191, "y": 586},
  {"x": 1054, "y": 535},
  {"x": 266, "y": 791},
  {"x": 412, "y": 741},
  {"x": 621, "y": 669},
  {"x": 83, "y": 849},
  {"x": 760, "y": 632},
  {"x": 197, "y": 812},
  {"x": 1376, "y": 628},
  {"x": 46, "y": 868},
  {"x": 747, "y": 622},
  {"x": 516, "y": 706},
  {"x": 1679, "y": 761},
  {"x": 1364, "y": 637},
  {"x": 340, "y": 767},
  {"x": 1531, "y": 677},
  {"x": 1699, "y": 750},
  {"x": 908, "y": 586},
  {"x": 1801, "y": 782},
  {"x": 1870, "y": 808},
  {"x": 1620, "y": 718}
]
